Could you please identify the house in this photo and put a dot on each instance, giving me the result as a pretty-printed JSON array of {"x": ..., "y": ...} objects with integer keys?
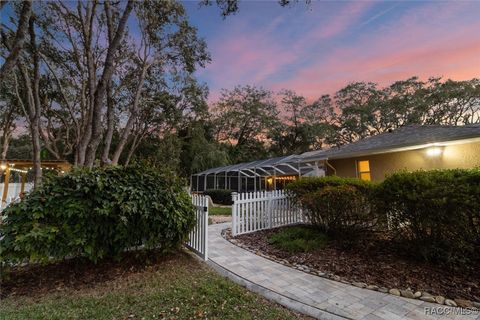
[{"x": 412, "y": 147}]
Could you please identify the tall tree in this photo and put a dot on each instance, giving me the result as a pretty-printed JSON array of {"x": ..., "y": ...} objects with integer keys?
[
  {"x": 13, "y": 41},
  {"x": 243, "y": 117}
]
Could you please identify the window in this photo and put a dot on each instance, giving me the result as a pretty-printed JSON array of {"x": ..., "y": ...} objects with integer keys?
[{"x": 363, "y": 168}]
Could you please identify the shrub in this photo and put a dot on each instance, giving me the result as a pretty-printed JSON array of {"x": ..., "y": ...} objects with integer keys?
[
  {"x": 97, "y": 213},
  {"x": 220, "y": 196},
  {"x": 340, "y": 207},
  {"x": 435, "y": 214},
  {"x": 342, "y": 211},
  {"x": 311, "y": 184},
  {"x": 298, "y": 239}
]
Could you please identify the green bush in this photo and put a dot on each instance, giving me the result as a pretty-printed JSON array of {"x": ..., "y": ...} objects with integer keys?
[
  {"x": 435, "y": 214},
  {"x": 340, "y": 207},
  {"x": 220, "y": 196},
  {"x": 306, "y": 185},
  {"x": 97, "y": 213},
  {"x": 298, "y": 239},
  {"x": 342, "y": 211}
]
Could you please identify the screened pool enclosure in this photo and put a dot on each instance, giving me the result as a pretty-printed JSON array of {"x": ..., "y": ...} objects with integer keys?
[{"x": 259, "y": 175}]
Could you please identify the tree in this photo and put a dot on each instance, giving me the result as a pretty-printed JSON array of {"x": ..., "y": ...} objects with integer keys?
[
  {"x": 243, "y": 117},
  {"x": 160, "y": 50},
  {"x": 304, "y": 126},
  {"x": 9, "y": 114},
  {"x": 12, "y": 41},
  {"x": 96, "y": 79},
  {"x": 29, "y": 69}
]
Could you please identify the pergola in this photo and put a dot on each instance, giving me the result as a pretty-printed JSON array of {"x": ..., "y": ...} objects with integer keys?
[
  {"x": 256, "y": 175},
  {"x": 21, "y": 169}
]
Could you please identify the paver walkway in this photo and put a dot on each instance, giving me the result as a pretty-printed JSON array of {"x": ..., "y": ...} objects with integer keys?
[{"x": 312, "y": 295}]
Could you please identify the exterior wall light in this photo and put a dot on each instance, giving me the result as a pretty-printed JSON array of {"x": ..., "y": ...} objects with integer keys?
[
  {"x": 434, "y": 151},
  {"x": 3, "y": 166}
]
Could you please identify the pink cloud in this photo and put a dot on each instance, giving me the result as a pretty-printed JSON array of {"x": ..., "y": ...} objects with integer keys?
[
  {"x": 394, "y": 54},
  {"x": 412, "y": 44}
]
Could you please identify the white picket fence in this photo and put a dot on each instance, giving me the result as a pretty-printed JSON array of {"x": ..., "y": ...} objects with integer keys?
[
  {"x": 198, "y": 240},
  {"x": 253, "y": 211}
]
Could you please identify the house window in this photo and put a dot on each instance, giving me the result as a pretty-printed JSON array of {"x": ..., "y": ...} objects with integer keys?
[{"x": 363, "y": 170}]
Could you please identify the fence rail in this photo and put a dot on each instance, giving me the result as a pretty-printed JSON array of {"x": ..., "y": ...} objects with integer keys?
[
  {"x": 253, "y": 211},
  {"x": 198, "y": 240}
]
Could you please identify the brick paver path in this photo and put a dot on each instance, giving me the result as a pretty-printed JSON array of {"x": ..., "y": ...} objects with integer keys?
[{"x": 312, "y": 295}]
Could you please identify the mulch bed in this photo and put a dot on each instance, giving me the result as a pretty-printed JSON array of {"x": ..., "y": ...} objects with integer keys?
[
  {"x": 38, "y": 279},
  {"x": 375, "y": 263}
]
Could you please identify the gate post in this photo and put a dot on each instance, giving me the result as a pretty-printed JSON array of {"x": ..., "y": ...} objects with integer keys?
[{"x": 234, "y": 213}]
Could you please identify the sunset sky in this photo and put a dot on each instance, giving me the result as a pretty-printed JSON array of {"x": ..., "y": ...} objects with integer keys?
[{"x": 318, "y": 49}]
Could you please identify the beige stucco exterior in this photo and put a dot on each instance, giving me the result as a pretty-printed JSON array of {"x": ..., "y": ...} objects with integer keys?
[{"x": 456, "y": 155}]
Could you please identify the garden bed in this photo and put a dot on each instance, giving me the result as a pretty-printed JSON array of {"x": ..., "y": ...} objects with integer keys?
[
  {"x": 370, "y": 263},
  {"x": 146, "y": 285}
]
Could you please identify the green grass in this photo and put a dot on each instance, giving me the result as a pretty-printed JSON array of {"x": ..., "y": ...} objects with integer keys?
[
  {"x": 220, "y": 211},
  {"x": 298, "y": 239},
  {"x": 178, "y": 288}
]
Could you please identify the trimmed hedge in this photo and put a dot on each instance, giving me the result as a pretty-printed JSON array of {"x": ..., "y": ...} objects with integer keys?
[
  {"x": 311, "y": 184},
  {"x": 97, "y": 213},
  {"x": 340, "y": 207},
  {"x": 220, "y": 196},
  {"x": 435, "y": 214}
]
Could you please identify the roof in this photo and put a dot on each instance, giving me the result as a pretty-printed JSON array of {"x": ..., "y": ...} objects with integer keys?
[
  {"x": 402, "y": 138},
  {"x": 253, "y": 165}
]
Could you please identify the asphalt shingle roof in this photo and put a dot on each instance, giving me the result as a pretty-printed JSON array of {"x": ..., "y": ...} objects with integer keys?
[{"x": 403, "y": 137}]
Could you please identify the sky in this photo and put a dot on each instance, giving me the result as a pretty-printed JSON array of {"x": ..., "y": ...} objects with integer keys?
[{"x": 320, "y": 48}]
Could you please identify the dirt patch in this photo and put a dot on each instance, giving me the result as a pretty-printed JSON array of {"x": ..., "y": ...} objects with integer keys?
[
  {"x": 220, "y": 219},
  {"x": 375, "y": 263},
  {"x": 79, "y": 274}
]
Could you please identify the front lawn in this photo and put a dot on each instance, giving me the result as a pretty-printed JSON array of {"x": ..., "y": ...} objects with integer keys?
[
  {"x": 145, "y": 287},
  {"x": 220, "y": 211}
]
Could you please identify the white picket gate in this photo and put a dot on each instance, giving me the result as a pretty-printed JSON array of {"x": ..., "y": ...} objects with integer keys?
[
  {"x": 253, "y": 211},
  {"x": 198, "y": 240}
]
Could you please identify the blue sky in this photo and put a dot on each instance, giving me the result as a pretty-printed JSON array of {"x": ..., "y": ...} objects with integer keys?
[{"x": 320, "y": 48}]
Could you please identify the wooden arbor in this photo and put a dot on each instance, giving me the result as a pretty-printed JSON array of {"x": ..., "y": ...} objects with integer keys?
[{"x": 7, "y": 166}]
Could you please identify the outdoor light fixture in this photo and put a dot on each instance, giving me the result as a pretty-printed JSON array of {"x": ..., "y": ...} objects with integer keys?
[
  {"x": 3, "y": 166},
  {"x": 434, "y": 151}
]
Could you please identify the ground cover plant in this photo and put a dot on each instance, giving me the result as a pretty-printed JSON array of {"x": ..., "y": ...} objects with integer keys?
[
  {"x": 148, "y": 285},
  {"x": 298, "y": 239},
  {"x": 220, "y": 211},
  {"x": 97, "y": 213}
]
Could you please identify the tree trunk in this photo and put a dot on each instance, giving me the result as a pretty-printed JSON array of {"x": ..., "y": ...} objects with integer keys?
[
  {"x": 132, "y": 149},
  {"x": 5, "y": 143},
  {"x": 108, "y": 69},
  {"x": 36, "y": 149},
  {"x": 131, "y": 120},
  {"x": 19, "y": 40},
  {"x": 110, "y": 126}
]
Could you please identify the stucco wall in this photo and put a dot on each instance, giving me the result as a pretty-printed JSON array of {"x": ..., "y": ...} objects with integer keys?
[{"x": 454, "y": 156}]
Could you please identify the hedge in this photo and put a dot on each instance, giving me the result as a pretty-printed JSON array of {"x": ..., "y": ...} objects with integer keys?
[
  {"x": 97, "y": 213},
  {"x": 220, "y": 196},
  {"x": 340, "y": 207},
  {"x": 435, "y": 214}
]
